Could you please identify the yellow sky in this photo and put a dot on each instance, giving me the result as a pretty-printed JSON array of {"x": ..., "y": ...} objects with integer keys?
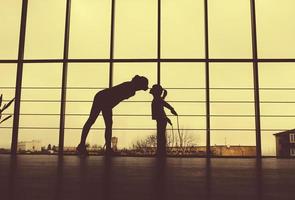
[{"x": 182, "y": 36}]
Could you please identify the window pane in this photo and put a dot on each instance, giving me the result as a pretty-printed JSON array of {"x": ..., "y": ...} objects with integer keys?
[
  {"x": 187, "y": 96},
  {"x": 277, "y": 101},
  {"x": 182, "y": 31},
  {"x": 136, "y": 29},
  {"x": 230, "y": 29},
  {"x": 84, "y": 81},
  {"x": 40, "y": 106},
  {"x": 274, "y": 28},
  {"x": 45, "y": 30},
  {"x": 232, "y": 104},
  {"x": 10, "y": 13},
  {"x": 7, "y": 89},
  {"x": 90, "y": 29}
]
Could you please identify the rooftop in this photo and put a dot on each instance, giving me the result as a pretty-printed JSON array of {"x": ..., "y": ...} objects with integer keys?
[{"x": 285, "y": 132}]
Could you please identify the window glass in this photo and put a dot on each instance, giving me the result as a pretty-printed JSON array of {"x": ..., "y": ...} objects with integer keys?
[
  {"x": 45, "y": 30},
  {"x": 232, "y": 104},
  {"x": 275, "y": 31},
  {"x": 7, "y": 89},
  {"x": 40, "y": 106},
  {"x": 90, "y": 29},
  {"x": 277, "y": 101},
  {"x": 10, "y": 14},
  {"x": 136, "y": 29},
  {"x": 229, "y": 29},
  {"x": 182, "y": 29}
]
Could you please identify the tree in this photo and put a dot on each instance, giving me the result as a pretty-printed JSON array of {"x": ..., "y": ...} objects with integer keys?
[
  {"x": 149, "y": 141},
  {"x": 54, "y": 148},
  {"x": 180, "y": 140},
  {"x": 49, "y": 147},
  {"x": 2, "y": 109}
]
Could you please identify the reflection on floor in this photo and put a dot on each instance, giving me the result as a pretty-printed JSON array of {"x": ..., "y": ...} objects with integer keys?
[{"x": 71, "y": 177}]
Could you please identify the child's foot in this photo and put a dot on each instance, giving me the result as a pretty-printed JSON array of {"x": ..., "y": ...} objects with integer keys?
[
  {"x": 81, "y": 150},
  {"x": 109, "y": 152}
]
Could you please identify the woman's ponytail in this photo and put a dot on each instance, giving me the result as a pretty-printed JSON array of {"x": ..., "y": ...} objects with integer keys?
[{"x": 164, "y": 94}]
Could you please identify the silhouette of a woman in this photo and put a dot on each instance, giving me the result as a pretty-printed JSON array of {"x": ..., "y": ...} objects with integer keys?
[
  {"x": 160, "y": 116},
  {"x": 104, "y": 101}
]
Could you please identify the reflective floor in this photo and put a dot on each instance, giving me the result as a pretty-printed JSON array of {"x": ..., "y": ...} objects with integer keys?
[{"x": 72, "y": 177}]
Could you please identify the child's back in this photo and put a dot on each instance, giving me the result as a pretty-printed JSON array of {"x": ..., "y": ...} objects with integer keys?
[{"x": 158, "y": 111}]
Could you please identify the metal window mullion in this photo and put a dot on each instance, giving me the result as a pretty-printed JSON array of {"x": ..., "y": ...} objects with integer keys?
[
  {"x": 207, "y": 75},
  {"x": 159, "y": 44},
  {"x": 111, "y": 70},
  {"x": 64, "y": 78},
  {"x": 256, "y": 80},
  {"x": 19, "y": 75}
]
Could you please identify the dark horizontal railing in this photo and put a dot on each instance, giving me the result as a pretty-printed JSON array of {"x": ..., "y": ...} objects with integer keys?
[
  {"x": 144, "y": 129},
  {"x": 155, "y": 60},
  {"x": 175, "y": 101},
  {"x": 168, "y": 88},
  {"x": 148, "y": 115}
]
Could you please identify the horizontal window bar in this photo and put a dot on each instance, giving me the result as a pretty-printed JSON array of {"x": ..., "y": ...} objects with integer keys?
[
  {"x": 150, "y": 60},
  {"x": 148, "y": 115},
  {"x": 141, "y": 129},
  {"x": 187, "y": 88},
  {"x": 173, "y": 101}
]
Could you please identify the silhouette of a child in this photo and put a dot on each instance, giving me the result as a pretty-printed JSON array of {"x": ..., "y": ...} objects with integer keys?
[{"x": 158, "y": 114}]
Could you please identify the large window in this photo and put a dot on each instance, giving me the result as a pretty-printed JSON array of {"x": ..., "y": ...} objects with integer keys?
[
  {"x": 232, "y": 105},
  {"x": 227, "y": 66},
  {"x": 40, "y": 103},
  {"x": 7, "y": 90}
]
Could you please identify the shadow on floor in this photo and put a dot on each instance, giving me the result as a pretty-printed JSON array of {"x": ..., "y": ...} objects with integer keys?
[{"x": 95, "y": 177}]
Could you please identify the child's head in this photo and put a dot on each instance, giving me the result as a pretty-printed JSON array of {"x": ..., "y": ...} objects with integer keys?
[{"x": 157, "y": 91}]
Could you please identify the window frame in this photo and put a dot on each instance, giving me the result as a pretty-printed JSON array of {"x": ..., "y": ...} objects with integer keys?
[{"x": 206, "y": 60}]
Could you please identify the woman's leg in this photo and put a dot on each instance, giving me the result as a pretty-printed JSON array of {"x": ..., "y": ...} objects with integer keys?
[
  {"x": 108, "y": 120},
  {"x": 95, "y": 110}
]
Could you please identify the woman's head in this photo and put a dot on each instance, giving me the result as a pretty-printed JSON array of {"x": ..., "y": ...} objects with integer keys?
[
  {"x": 140, "y": 82},
  {"x": 157, "y": 90}
]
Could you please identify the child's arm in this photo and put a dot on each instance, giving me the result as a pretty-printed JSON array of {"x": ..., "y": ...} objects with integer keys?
[{"x": 167, "y": 105}]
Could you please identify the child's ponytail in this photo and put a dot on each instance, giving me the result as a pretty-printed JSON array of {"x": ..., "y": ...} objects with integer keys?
[{"x": 164, "y": 94}]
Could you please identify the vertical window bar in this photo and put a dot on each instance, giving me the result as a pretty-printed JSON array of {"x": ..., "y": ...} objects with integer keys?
[
  {"x": 159, "y": 44},
  {"x": 19, "y": 75},
  {"x": 208, "y": 138},
  {"x": 256, "y": 80},
  {"x": 112, "y": 43},
  {"x": 64, "y": 79}
]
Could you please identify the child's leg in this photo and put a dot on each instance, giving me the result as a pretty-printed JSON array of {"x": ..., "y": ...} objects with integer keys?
[{"x": 161, "y": 137}]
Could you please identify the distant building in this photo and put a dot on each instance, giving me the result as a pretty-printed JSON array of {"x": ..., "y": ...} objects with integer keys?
[
  {"x": 114, "y": 143},
  {"x": 216, "y": 150},
  {"x": 70, "y": 149},
  {"x": 235, "y": 150},
  {"x": 285, "y": 144},
  {"x": 33, "y": 146}
]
